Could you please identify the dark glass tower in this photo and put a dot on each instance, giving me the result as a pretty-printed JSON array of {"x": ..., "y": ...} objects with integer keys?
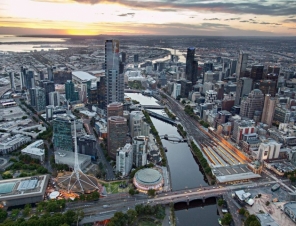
[{"x": 189, "y": 63}]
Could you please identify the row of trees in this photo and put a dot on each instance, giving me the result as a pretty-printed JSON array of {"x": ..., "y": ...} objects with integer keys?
[
  {"x": 130, "y": 217},
  {"x": 201, "y": 159},
  {"x": 251, "y": 220},
  {"x": 181, "y": 130},
  {"x": 156, "y": 135},
  {"x": 167, "y": 111},
  {"x": 46, "y": 135},
  {"x": 63, "y": 219}
]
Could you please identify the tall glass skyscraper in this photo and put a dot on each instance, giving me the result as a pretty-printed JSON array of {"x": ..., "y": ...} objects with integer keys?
[
  {"x": 189, "y": 64},
  {"x": 71, "y": 94},
  {"x": 114, "y": 80},
  {"x": 62, "y": 135}
]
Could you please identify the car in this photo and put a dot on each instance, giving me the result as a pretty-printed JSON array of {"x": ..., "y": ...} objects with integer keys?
[
  {"x": 190, "y": 191},
  {"x": 214, "y": 187}
]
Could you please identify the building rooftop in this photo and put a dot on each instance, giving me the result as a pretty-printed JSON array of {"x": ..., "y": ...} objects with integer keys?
[
  {"x": 266, "y": 220},
  {"x": 84, "y": 76},
  {"x": 148, "y": 176},
  {"x": 23, "y": 187}
]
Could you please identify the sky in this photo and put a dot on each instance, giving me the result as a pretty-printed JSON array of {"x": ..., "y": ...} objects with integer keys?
[{"x": 149, "y": 17}]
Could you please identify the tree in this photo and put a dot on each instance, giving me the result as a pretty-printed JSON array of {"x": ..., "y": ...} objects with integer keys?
[
  {"x": 131, "y": 216},
  {"x": 252, "y": 221},
  {"x": 27, "y": 210},
  {"x": 267, "y": 203},
  {"x": 151, "y": 192},
  {"x": 3, "y": 215},
  {"x": 132, "y": 191},
  {"x": 242, "y": 211},
  {"x": 24, "y": 117},
  {"x": 220, "y": 202},
  {"x": 226, "y": 220}
]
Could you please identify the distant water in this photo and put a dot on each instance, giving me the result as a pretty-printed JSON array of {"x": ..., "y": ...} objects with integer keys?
[{"x": 26, "y": 47}]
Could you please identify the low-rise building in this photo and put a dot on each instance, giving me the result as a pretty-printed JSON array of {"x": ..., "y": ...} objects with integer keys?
[
  {"x": 266, "y": 220},
  {"x": 12, "y": 143},
  {"x": 290, "y": 210},
  {"x": 68, "y": 158},
  {"x": 35, "y": 150}
]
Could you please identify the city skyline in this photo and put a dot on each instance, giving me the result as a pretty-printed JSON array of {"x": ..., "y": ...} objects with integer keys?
[{"x": 191, "y": 17}]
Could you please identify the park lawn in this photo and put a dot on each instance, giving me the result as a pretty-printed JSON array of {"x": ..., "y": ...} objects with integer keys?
[
  {"x": 148, "y": 223},
  {"x": 113, "y": 188}
]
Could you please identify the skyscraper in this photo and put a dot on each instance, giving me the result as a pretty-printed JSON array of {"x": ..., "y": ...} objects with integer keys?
[
  {"x": 243, "y": 87},
  {"x": 37, "y": 98},
  {"x": 54, "y": 98},
  {"x": 241, "y": 64},
  {"x": 114, "y": 80},
  {"x": 29, "y": 79},
  {"x": 123, "y": 57},
  {"x": 71, "y": 94},
  {"x": 274, "y": 70},
  {"x": 48, "y": 87},
  {"x": 50, "y": 73},
  {"x": 268, "y": 110},
  {"x": 12, "y": 83},
  {"x": 252, "y": 103},
  {"x": 117, "y": 129},
  {"x": 257, "y": 72},
  {"x": 267, "y": 87},
  {"x": 62, "y": 134},
  {"x": 136, "y": 58},
  {"x": 233, "y": 64},
  {"x": 189, "y": 63}
]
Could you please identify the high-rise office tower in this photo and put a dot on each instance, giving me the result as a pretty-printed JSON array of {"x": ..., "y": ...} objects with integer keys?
[
  {"x": 241, "y": 64},
  {"x": 136, "y": 58},
  {"x": 37, "y": 98},
  {"x": 41, "y": 75},
  {"x": 233, "y": 64},
  {"x": 140, "y": 150},
  {"x": 274, "y": 70},
  {"x": 208, "y": 66},
  {"x": 71, "y": 94},
  {"x": 219, "y": 88},
  {"x": 243, "y": 87},
  {"x": 252, "y": 103},
  {"x": 117, "y": 129},
  {"x": 114, "y": 80},
  {"x": 268, "y": 110},
  {"x": 123, "y": 57},
  {"x": 48, "y": 87},
  {"x": 257, "y": 72},
  {"x": 12, "y": 82},
  {"x": 124, "y": 159},
  {"x": 194, "y": 72},
  {"x": 86, "y": 145},
  {"x": 62, "y": 134},
  {"x": 189, "y": 63},
  {"x": 115, "y": 109},
  {"x": 29, "y": 79},
  {"x": 101, "y": 92},
  {"x": 22, "y": 77},
  {"x": 267, "y": 87},
  {"x": 54, "y": 98},
  {"x": 83, "y": 92},
  {"x": 49, "y": 112},
  {"x": 137, "y": 125},
  {"x": 50, "y": 73}
]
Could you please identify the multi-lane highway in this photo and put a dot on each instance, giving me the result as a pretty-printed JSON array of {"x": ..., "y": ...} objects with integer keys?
[{"x": 107, "y": 206}]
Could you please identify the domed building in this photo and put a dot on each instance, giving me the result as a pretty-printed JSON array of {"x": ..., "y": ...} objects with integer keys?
[{"x": 147, "y": 179}]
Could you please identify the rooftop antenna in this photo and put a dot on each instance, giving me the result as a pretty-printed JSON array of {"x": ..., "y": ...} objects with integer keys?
[{"x": 77, "y": 181}]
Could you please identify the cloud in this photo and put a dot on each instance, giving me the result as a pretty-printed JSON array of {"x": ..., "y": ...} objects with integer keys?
[
  {"x": 244, "y": 21},
  {"x": 127, "y": 14},
  {"x": 290, "y": 20},
  {"x": 212, "y": 19},
  {"x": 234, "y": 18},
  {"x": 282, "y": 8}
]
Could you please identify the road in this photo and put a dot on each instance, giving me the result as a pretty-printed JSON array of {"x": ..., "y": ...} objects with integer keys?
[
  {"x": 101, "y": 158},
  {"x": 122, "y": 202}
]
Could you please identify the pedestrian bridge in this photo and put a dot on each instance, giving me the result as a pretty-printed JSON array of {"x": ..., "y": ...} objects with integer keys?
[
  {"x": 161, "y": 117},
  {"x": 153, "y": 106}
]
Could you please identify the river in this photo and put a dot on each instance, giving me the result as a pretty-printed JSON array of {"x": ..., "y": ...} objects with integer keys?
[{"x": 185, "y": 173}]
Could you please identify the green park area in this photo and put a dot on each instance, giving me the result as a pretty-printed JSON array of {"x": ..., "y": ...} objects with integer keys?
[
  {"x": 149, "y": 222},
  {"x": 117, "y": 187}
]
